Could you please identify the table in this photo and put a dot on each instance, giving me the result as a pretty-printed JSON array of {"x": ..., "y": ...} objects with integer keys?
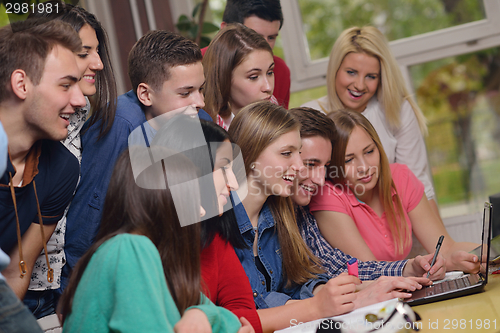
[{"x": 474, "y": 313}]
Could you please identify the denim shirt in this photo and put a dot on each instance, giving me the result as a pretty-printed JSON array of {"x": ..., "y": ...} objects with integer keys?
[{"x": 269, "y": 252}]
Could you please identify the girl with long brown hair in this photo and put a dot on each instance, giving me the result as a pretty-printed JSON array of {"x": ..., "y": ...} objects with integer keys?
[
  {"x": 370, "y": 208},
  {"x": 211, "y": 150},
  {"x": 143, "y": 272},
  {"x": 239, "y": 70}
]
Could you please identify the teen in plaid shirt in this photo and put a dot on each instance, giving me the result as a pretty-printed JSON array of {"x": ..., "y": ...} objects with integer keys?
[{"x": 317, "y": 133}]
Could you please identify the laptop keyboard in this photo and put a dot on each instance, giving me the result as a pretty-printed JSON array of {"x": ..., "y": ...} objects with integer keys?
[{"x": 450, "y": 285}]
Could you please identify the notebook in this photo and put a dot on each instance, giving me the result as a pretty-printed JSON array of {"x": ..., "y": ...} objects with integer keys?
[{"x": 466, "y": 284}]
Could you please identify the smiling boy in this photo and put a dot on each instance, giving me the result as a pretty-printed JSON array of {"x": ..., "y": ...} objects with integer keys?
[
  {"x": 167, "y": 75},
  {"x": 38, "y": 93}
]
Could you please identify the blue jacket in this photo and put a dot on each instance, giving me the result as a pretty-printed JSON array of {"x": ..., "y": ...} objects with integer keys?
[
  {"x": 98, "y": 160},
  {"x": 269, "y": 252}
]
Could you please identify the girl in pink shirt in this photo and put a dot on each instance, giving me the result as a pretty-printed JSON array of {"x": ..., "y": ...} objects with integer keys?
[{"x": 369, "y": 208}]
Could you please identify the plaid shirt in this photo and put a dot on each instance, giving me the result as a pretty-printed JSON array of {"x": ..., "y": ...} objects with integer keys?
[{"x": 335, "y": 261}]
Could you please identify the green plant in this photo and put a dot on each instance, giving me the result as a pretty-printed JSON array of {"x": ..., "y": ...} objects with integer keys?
[{"x": 189, "y": 26}]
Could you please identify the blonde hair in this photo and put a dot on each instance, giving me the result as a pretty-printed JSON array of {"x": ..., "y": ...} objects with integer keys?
[
  {"x": 392, "y": 91},
  {"x": 253, "y": 129},
  {"x": 345, "y": 122}
]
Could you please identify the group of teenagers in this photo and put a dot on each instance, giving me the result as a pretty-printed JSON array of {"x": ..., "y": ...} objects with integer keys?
[{"x": 232, "y": 213}]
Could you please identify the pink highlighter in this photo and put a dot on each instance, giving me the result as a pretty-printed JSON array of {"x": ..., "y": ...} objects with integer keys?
[{"x": 352, "y": 267}]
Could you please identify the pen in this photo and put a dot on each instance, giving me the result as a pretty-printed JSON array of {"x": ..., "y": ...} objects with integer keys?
[
  {"x": 352, "y": 267},
  {"x": 438, "y": 247}
]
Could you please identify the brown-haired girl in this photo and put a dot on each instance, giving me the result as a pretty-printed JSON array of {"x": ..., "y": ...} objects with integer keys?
[
  {"x": 370, "y": 208},
  {"x": 239, "y": 70},
  {"x": 143, "y": 272}
]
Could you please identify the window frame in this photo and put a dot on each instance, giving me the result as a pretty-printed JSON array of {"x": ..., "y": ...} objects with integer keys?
[{"x": 461, "y": 39}]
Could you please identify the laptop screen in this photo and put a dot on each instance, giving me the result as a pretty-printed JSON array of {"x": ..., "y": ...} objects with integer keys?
[{"x": 485, "y": 254}]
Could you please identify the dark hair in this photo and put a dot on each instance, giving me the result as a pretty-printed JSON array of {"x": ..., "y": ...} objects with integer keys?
[
  {"x": 314, "y": 123},
  {"x": 26, "y": 44},
  {"x": 131, "y": 208},
  {"x": 104, "y": 102},
  {"x": 225, "y": 225},
  {"x": 228, "y": 49},
  {"x": 177, "y": 134},
  {"x": 237, "y": 11},
  {"x": 155, "y": 53}
]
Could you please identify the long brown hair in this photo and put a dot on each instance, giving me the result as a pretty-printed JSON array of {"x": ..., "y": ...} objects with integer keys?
[
  {"x": 345, "y": 122},
  {"x": 254, "y": 128},
  {"x": 181, "y": 134},
  {"x": 151, "y": 212},
  {"x": 228, "y": 49}
]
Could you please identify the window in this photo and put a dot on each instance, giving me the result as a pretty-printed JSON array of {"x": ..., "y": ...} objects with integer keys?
[
  {"x": 460, "y": 99},
  {"x": 324, "y": 20},
  {"x": 448, "y": 53},
  {"x": 459, "y": 35}
]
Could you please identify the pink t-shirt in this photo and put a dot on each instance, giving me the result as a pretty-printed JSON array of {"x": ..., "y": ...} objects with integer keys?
[{"x": 373, "y": 228}]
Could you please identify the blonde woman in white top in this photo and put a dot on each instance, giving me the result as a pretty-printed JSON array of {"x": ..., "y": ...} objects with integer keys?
[{"x": 363, "y": 75}]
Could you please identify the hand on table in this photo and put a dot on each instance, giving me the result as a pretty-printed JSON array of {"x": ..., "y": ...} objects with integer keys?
[{"x": 388, "y": 287}]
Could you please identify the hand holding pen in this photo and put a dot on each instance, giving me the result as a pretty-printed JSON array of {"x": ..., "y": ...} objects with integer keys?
[
  {"x": 420, "y": 266},
  {"x": 438, "y": 247}
]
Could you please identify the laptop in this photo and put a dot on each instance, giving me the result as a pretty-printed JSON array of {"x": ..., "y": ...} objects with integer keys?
[
  {"x": 466, "y": 284},
  {"x": 494, "y": 249}
]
